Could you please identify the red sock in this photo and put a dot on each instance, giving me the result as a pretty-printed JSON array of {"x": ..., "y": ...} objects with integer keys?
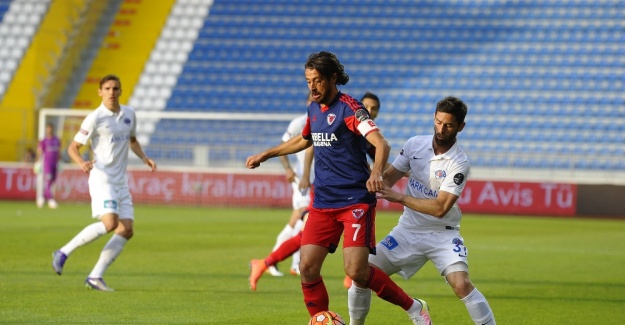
[
  {"x": 285, "y": 250},
  {"x": 388, "y": 290},
  {"x": 316, "y": 296}
]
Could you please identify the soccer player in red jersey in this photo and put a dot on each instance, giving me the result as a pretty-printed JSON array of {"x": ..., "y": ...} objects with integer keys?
[{"x": 339, "y": 128}]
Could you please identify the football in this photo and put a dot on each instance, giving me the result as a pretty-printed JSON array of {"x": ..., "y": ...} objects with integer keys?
[{"x": 327, "y": 317}]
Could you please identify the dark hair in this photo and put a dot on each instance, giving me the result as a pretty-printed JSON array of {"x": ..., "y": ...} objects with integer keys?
[
  {"x": 110, "y": 77},
  {"x": 327, "y": 64},
  {"x": 372, "y": 96},
  {"x": 453, "y": 106}
]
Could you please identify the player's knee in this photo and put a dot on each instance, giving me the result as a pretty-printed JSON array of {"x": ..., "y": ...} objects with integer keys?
[
  {"x": 463, "y": 287},
  {"x": 457, "y": 276},
  {"x": 309, "y": 270},
  {"x": 358, "y": 274},
  {"x": 126, "y": 233}
]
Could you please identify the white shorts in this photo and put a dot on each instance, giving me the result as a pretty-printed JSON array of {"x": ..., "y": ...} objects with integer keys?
[
  {"x": 299, "y": 200},
  {"x": 405, "y": 252},
  {"x": 111, "y": 199}
]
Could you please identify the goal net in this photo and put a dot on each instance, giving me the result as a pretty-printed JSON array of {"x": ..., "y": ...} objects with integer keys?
[{"x": 200, "y": 157}]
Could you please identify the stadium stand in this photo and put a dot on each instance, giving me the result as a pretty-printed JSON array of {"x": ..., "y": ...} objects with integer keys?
[
  {"x": 19, "y": 20},
  {"x": 539, "y": 77},
  {"x": 544, "y": 80}
]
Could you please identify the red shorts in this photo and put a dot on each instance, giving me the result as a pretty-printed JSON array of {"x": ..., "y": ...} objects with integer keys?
[{"x": 325, "y": 226}]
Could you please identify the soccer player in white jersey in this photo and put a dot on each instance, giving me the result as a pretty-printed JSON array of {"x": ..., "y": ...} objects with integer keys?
[
  {"x": 111, "y": 129},
  {"x": 300, "y": 197},
  {"x": 429, "y": 227}
]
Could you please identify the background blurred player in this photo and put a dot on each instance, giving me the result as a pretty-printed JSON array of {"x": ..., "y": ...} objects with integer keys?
[
  {"x": 47, "y": 162},
  {"x": 339, "y": 127},
  {"x": 300, "y": 198},
  {"x": 429, "y": 227},
  {"x": 111, "y": 129}
]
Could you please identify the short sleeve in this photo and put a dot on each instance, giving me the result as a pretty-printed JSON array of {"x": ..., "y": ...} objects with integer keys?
[
  {"x": 456, "y": 180},
  {"x": 86, "y": 129},
  {"x": 401, "y": 162}
]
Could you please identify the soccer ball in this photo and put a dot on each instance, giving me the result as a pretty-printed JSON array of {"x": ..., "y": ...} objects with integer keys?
[{"x": 327, "y": 317}]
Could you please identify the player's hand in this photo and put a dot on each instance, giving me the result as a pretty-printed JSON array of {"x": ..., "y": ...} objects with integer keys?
[
  {"x": 254, "y": 161},
  {"x": 375, "y": 182},
  {"x": 148, "y": 161},
  {"x": 389, "y": 194},
  {"x": 87, "y": 166},
  {"x": 304, "y": 185},
  {"x": 37, "y": 167}
]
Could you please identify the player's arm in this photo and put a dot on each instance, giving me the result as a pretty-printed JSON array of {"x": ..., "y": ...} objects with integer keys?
[
  {"x": 392, "y": 175},
  {"x": 290, "y": 174},
  {"x": 135, "y": 146},
  {"x": 435, "y": 207},
  {"x": 296, "y": 144},
  {"x": 382, "y": 151},
  {"x": 74, "y": 153},
  {"x": 304, "y": 183},
  {"x": 38, "y": 153}
]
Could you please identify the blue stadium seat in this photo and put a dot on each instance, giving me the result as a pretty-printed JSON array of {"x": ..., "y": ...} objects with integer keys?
[{"x": 545, "y": 77}]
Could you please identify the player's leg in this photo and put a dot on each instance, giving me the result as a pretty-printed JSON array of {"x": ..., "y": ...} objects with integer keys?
[
  {"x": 258, "y": 267},
  {"x": 358, "y": 298},
  {"x": 458, "y": 278},
  {"x": 289, "y": 229},
  {"x": 359, "y": 241},
  {"x": 320, "y": 236},
  {"x": 299, "y": 225},
  {"x": 50, "y": 190},
  {"x": 103, "y": 203},
  {"x": 123, "y": 232},
  {"x": 315, "y": 293},
  {"x": 47, "y": 182},
  {"x": 450, "y": 257}
]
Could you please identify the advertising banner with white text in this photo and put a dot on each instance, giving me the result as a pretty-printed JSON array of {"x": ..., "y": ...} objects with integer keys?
[{"x": 271, "y": 190}]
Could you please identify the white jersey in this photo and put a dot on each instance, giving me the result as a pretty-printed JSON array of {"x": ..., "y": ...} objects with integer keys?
[
  {"x": 110, "y": 140},
  {"x": 430, "y": 174},
  {"x": 295, "y": 128}
]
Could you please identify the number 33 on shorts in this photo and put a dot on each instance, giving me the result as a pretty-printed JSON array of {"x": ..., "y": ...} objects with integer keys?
[{"x": 460, "y": 248}]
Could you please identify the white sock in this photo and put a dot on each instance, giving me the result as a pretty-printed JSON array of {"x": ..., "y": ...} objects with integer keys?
[
  {"x": 111, "y": 250},
  {"x": 415, "y": 309},
  {"x": 87, "y": 235},
  {"x": 283, "y": 236},
  {"x": 298, "y": 227},
  {"x": 478, "y": 308},
  {"x": 358, "y": 303}
]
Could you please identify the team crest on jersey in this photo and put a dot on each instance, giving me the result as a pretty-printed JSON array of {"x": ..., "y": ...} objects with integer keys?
[
  {"x": 439, "y": 174},
  {"x": 331, "y": 118},
  {"x": 127, "y": 121},
  {"x": 358, "y": 213},
  {"x": 389, "y": 242}
]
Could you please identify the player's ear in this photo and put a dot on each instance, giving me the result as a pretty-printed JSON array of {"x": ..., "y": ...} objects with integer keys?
[{"x": 461, "y": 127}]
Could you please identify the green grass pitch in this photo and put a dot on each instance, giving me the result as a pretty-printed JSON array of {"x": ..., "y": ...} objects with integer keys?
[{"x": 189, "y": 265}]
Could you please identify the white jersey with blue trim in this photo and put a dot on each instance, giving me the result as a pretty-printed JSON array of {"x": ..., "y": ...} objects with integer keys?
[
  {"x": 110, "y": 140},
  {"x": 430, "y": 174}
]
